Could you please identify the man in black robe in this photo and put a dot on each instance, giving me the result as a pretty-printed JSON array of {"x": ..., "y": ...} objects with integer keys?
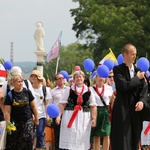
[{"x": 131, "y": 97}]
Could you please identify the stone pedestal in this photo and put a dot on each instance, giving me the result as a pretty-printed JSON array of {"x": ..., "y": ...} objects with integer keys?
[{"x": 40, "y": 55}]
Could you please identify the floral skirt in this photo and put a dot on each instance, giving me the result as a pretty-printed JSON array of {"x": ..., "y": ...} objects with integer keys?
[{"x": 22, "y": 138}]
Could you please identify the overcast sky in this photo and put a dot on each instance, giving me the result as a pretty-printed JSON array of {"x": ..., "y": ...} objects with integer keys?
[{"x": 18, "y": 19}]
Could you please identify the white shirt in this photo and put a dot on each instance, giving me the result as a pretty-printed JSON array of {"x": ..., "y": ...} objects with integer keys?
[
  {"x": 57, "y": 93},
  {"x": 64, "y": 98},
  {"x": 108, "y": 91},
  {"x": 39, "y": 99},
  {"x": 131, "y": 71}
]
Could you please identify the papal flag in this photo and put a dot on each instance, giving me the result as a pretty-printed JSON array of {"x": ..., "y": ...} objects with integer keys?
[
  {"x": 110, "y": 55},
  {"x": 54, "y": 52}
]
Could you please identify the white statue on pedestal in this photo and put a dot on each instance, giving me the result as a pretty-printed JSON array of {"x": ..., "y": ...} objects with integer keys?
[{"x": 38, "y": 36}]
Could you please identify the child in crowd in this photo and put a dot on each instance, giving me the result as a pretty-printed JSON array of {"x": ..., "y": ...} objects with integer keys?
[{"x": 49, "y": 135}]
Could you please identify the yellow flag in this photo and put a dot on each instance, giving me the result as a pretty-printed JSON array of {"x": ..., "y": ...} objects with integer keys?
[{"x": 110, "y": 55}]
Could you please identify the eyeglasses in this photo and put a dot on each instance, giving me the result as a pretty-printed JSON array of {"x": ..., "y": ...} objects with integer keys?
[
  {"x": 60, "y": 78},
  {"x": 110, "y": 76}
]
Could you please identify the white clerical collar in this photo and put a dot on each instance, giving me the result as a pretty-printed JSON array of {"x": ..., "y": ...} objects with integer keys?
[{"x": 131, "y": 70}]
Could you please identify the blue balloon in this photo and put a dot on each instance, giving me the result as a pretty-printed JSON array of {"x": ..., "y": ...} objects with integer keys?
[
  {"x": 93, "y": 74},
  {"x": 103, "y": 71},
  {"x": 65, "y": 74},
  {"x": 7, "y": 65},
  {"x": 120, "y": 59},
  {"x": 109, "y": 63},
  {"x": 143, "y": 64},
  {"x": 88, "y": 65},
  {"x": 53, "y": 110}
]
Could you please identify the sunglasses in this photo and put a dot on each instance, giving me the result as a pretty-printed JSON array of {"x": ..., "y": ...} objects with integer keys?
[
  {"x": 60, "y": 78},
  {"x": 110, "y": 76}
]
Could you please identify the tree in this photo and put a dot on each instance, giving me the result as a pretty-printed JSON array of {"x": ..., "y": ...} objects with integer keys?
[
  {"x": 70, "y": 56},
  {"x": 105, "y": 24}
]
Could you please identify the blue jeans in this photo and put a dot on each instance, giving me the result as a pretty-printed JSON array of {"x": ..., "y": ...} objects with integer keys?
[{"x": 40, "y": 133}]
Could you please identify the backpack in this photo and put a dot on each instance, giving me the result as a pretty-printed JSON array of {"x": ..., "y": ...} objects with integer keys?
[{"x": 44, "y": 93}]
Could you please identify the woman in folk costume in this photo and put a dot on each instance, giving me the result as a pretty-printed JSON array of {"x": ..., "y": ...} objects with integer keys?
[
  {"x": 103, "y": 94},
  {"x": 78, "y": 109}
]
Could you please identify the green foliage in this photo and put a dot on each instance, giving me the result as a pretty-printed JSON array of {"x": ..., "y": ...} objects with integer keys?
[
  {"x": 70, "y": 56},
  {"x": 113, "y": 23}
]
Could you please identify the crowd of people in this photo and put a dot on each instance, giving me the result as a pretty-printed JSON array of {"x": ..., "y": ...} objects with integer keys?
[{"x": 94, "y": 114}]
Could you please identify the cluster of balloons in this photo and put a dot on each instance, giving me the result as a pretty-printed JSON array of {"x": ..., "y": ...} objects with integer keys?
[
  {"x": 53, "y": 110},
  {"x": 104, "y": 69}
]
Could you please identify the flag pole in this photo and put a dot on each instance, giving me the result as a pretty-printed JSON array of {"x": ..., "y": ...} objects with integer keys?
[{"x": 57, "y": 64}]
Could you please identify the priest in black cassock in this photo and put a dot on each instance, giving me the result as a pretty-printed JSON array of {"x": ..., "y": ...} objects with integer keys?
[{"x": 131, "y": 97}]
